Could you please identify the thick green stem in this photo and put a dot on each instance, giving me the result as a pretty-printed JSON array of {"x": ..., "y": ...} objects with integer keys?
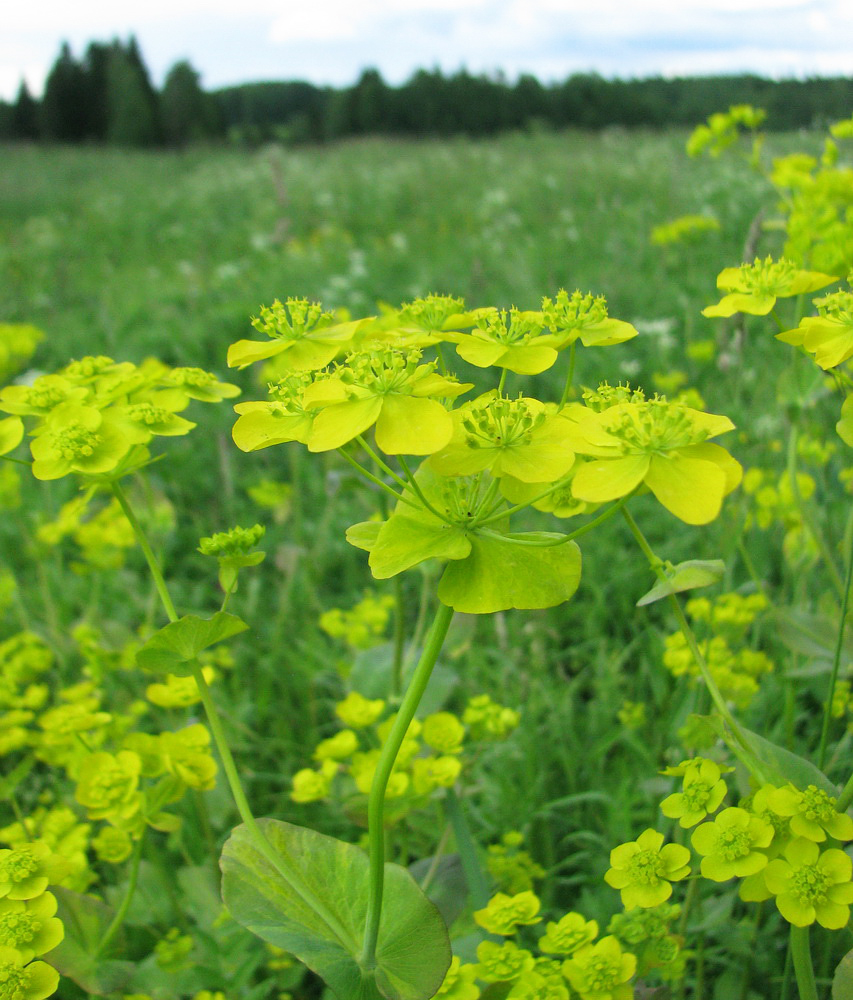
[
  {"x": 121, "y": 912},
  {"x": 376, "y": 802},
  {"x": 802, "y": 956},
  {"x": 656, "y": 565}
]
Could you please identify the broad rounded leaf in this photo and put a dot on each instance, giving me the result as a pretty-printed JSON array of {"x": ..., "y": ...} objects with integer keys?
[
  {"x": 502, "y": 573},
  {"x": 313, "y": 902},
  {"x": 170, "y": 650}
]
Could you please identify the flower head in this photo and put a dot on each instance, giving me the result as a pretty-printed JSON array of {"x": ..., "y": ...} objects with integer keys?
[
  {"x": 731, "y": 846},
  {"x": 662, "y": 444},
  {"x": 703, "y": 791},
  {"x": 754, "y": 288},
  {"x": 643, "y": 869},
  {"x": 25, "y": 982},
  {"x": 811, "y": 885},
  {"x": 601, "y": 971},
  {"x": 571, "y": 932},
  {"x": 504, "y": 913}
]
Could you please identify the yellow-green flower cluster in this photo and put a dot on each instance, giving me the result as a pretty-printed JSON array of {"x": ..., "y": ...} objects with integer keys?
[
  {"x": 737, "y": 673},
  {"x": 95, "y": 417},
  {"x": 18, "y": 342},
  {"x": 571, "y": 962},
  {"x": 511, "y": 867},
  {"x": 780, "y": 841},
  {"x": 646, "y": 932},
  {"x": 683, "y": 229},
  {"x": 363, "y": 625},
  {"x": 102, "y": 535},
  {"x": 723, "y": 128},
  {"x": 28, "y": 925},
  {"x": 430, "y": 757}
]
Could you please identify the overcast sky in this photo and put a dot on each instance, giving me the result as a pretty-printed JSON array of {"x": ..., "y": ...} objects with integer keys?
[{"x": 331, "y": 41}]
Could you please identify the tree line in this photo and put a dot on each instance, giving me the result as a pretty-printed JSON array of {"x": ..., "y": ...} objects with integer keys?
[{"x": 107, "y": 97}]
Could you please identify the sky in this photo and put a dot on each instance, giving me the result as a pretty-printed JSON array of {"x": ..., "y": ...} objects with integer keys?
[{"x": 332, "y": 41}]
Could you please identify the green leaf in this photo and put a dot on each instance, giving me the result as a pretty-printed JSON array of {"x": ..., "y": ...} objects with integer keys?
[
  {"x": 842, "y": 981},
  {"x": 685, "y": 576},
  {"x": 447, "y": 887},
  {"x": 810, "y": 634},
  {"x": 405, "y": 541},
  {"x": 781, "y": 766},
  {"x": 9, "y": 782},
  {"x": 502, "y": 573},
  {"x": 170, "y": 650},
  {"x": 497, "y": 991},
  {"x": 313, "y": 903},
  {"x": 86, "y": 921}
]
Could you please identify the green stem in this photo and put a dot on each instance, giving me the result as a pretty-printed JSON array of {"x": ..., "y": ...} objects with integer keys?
[
  {"x": 478, "y": 886},
  {"x": 836, "y": 662},
  {"x": 808, "y": 521},
  {"x": 399, "y": 637},
  {"x": 121, "y": 912},
  {"x": 802, "y": 956},
  {"x": 571, "y": 374},
  {"x": 371, "y": 478},
  {"x": 259, "y": 840},
  {"x": 416, "y": 487},
  {"x": 843, "y": 801},
  {"x": 213, "y": 719},
  {"x": 656, "y": 564},
  {"x": 376, "y": 802}
]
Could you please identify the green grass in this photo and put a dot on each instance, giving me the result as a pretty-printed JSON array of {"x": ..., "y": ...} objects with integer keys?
[{"x": 137, "y": 254}]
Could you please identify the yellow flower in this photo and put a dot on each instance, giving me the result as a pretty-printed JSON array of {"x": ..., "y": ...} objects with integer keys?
[
  {"x": 108, "y": 785},
  {"x": 664, "y": 445},
  {"x": 754, "y": 288},
  {"x": 811, "y": 885},
  {"x": 732, "y": 845},
  {"x": 601, "y": 971},
  {"x": 643, "y": 869},
  {"x": 504, "y": 913},
  {"x": 357, "y": 712}
]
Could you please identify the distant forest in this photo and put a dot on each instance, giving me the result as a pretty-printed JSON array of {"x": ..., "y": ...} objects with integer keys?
[{"x": 106, "y": 97}]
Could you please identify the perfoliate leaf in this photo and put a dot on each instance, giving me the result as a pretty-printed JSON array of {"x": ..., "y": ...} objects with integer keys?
[
  {"x": 780, "y": 765},
  {"x": 313, "y": 903},
  {"x": 502, "y": 573},
  {"x": 86, "y": 921},
  {"x": 685, "y": 576},
  {"x": 170, "y": 650},
  {"x": 842, "y": 981},
  {"x": 405, "y": 541}
]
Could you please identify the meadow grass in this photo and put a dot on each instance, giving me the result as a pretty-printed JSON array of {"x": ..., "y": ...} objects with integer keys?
[{"x": 135, "y": 254}]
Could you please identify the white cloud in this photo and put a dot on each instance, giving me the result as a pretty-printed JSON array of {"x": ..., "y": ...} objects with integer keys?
[{"x": 330, "y": 41}]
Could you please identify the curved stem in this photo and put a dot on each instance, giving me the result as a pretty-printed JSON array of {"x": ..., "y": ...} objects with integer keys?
[
  {"x": 213, "y": 719},
  {"x": 376, "y": 802},
  {"x": 836, "y": 662},
  {"x": 802, "y": 956},
  {"x": 121, "y": 912},
  {"x": 371, "y": 478}
]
